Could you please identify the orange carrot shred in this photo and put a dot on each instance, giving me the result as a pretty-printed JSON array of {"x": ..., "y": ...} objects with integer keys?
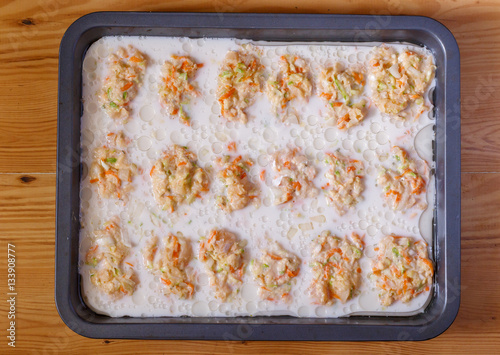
[
  {"x": 274, "y": 257},
  {"x": 135, "y": 59},
  {"x": 292, "y": 274},
  {"x": 127, "y": 86},
  {"x": 227, "y": 94},
  {"x": 231, "y": 146}
]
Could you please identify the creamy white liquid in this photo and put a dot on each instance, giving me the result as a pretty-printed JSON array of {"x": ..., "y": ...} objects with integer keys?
[{"x": 292, "y": 225}]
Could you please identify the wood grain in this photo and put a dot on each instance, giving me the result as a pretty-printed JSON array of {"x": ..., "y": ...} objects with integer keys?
[{"x": 31, "y": 32}]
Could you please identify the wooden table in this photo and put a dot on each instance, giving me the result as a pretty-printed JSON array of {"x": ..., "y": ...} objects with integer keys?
[{"x": 30, "y": 32}]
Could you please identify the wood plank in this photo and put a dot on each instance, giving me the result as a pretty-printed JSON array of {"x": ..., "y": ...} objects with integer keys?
[
  {"x": 32, "y": 36},
  {"x": 28, "y": 70},
  {"x": 480, "y": 133},
  {"x": 29, "y": 136},
  {"x": 27, "y": 220},
  {"x": 28, "y": 127}
]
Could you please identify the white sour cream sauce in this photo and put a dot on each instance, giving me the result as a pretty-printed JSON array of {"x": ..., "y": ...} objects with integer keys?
[{"x": 292, "y": 225}]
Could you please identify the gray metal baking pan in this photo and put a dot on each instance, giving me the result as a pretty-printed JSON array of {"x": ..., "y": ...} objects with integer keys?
[{"x": 443, "y": 307}]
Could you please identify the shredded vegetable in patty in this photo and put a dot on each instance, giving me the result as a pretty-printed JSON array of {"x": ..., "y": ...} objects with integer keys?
[
  {"x": 169, "y": 260},
  {"x": 240, "y": 79},
  {"x": 222, "y": 255},
  {"x": 345, "y": 184},
  {"x": 339, "y": 88},
  {"x": 240, "y": 190},
  {"x": 274, "y": 272},
  {"x": 294, "y": 176},
  {"x": 399, "y": 79},
  {"x": 176, "y": 178},
  {"x": 126, "y": 71},
  {"x": 292, "y": 81},
  {"x": 111, "y": 170},
  {"x": 402, "y": 270},
  {"x": 106, "y": 255},
  {"x": 118, "y": 139},
  {"x": 176, "y": 87},
  {"x": 335, "y": 267},
  {"x": 403, "y": 188}
]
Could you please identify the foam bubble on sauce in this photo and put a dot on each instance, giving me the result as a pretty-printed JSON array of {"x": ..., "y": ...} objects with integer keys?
[
  {"x": 263, "y": 160},
  {"x": 303, "y": 311},
  {"x": 152, "y": 154},
  {"x": 144, "y": 143},
  {"x": 217, "y": 148},
  {"x": 382, "y": 138},
  {"x": 270, "y": 135},
  {"x": 176, "y": 137},
  {"x": 423, "y": 142},
  {"x": 425, "y": 225},
  {"x": 331, "y": 135},
  {"x": 347, "y": 144},
  {"x": 253, "y": 143},
  {"x": 91, "y": 107},
  {"x": 221, "y": 136},
  {"x": 85, "y": 205},
  {"x": 361, "y": 56},
  {"x": 249, "y": 293},
  {"x": 160, "y": 134},
  {"x": 200, "y": 309},
  {"x": 147, "y": 113},
  {"x": 375, "y": 127},
  {"x": 89, "y": 64},
  {"x": 290, "y": 119},
  {"x": 187, "y": 47},
  {"x": 86, "y": 194},
  {"x": 321, "y": 311},
  {"x": 371, "y": 230},
  {"x": 204, "y": 153},
  {"x": 359, "y": 146},
  {"x": 361, "y": 134},
  {"x": 102, "y": 51},
  {"x": 312, "y": 120},
  {"x": 87, "y": 138},
  {"x": 369, "y": 155}
]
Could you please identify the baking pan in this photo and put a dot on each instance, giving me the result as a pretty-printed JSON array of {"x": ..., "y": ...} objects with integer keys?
[{"x": 444, "y": 305}]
